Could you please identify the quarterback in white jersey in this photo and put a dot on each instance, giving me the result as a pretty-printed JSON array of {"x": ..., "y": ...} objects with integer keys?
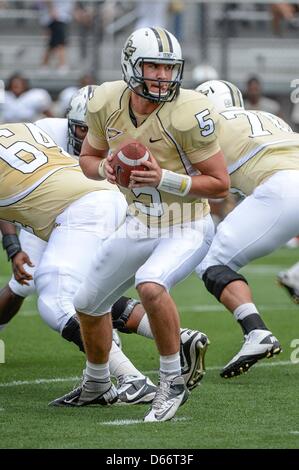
[
  {"x": 262, "y": 157},
  {"x": 168, "y": 228}
]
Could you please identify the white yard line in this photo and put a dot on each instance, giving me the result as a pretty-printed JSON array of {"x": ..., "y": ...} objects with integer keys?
[
  {"x": 17, "y": 383},
  {"x": 262, "y": 269},
  {"x": 125, "y": 422}
]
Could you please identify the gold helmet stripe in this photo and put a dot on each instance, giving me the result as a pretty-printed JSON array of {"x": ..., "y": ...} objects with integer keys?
[{"x": 163, "y": 39}]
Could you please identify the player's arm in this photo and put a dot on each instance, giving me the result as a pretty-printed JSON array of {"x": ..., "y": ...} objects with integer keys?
[
  {"x": 13, "y": 248},
  {"x": 195, "y": 131},
  {"x": 92, "y": 160},
  {"x": 213, "y": 180},
  {"x": 10, "y": 240},
  {"x": 94, "y": 151}
]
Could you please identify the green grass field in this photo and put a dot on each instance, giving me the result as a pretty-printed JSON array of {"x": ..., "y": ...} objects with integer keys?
[{"x": 257, "y": 410}]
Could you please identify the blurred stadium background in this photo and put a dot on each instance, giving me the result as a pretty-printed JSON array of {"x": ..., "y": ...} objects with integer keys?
[{"x": 236, "y": 40}]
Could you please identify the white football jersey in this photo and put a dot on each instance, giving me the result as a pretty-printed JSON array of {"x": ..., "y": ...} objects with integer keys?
[{"x": 57, "y": 129}]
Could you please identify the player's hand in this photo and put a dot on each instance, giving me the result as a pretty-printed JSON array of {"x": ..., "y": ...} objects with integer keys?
[
  {"x": 109, "y": 171},
  {"x": 20, "y": 273},
  {"x": 150, "y": 177}
]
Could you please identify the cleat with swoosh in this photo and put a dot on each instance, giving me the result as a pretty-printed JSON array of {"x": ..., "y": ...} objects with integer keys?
[
  {"x": 171, "y": 394},
  {"x": 135, "y": 390}
]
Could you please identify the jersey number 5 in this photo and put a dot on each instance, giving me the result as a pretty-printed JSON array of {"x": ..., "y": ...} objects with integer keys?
[{"x": 206, "y": 125}]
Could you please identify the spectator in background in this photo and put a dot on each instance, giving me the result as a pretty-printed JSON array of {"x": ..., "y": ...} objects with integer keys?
[
  {"x": 295, "y": 117},
  {"x": 22, "y": 103},
  {"x": 286, "y": 12},
  {"x": 56, "y": 15},
  {"x": 255, "y": 100}
]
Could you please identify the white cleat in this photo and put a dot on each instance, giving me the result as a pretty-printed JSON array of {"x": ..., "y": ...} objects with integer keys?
[
  {"x": 171, "y": 394},
  {"x": 258, "y": 344}
]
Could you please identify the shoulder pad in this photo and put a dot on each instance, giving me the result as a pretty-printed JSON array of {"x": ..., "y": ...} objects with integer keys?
[
  {"x": 108, "y": 92},
  {"x": 187, "y": 106}
]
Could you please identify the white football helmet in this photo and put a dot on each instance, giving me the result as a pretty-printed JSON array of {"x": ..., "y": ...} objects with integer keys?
[
  {"x": 76, "y": 116},
  {"x": 154, "y": 45},
  {"x": 224, "y": 95}
]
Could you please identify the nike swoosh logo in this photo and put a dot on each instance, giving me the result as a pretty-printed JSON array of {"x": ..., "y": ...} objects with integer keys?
[
  {"x": 159, "y": 416},
  {"x": 71, "y": 401},
  {"x": 132, "y": 396},
  {"x": 154, "y": 140}
]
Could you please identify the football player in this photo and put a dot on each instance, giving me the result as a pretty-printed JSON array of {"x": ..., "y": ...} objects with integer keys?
[
  {"x": 168, "y": 228},
  {"x": 43, "y": 189},
  {"x": 263, "y": 165},
  {"x": 262, "y": 159},
  {"x": 69, "y": 134}
]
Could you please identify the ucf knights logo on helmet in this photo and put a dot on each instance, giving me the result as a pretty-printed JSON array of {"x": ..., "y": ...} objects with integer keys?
[{"x": 129, "y": 49}]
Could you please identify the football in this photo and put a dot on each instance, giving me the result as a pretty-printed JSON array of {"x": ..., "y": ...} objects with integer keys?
[{"x": 127, "y": 158}]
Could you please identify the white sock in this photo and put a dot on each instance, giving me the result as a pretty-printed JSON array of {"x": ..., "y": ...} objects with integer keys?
[
  {"x": 97, "y": 371},
  {"x": 120, "y": 365},
  {"x": 144, "y": 328},
  {"x": 170, "y": 365},
  {"x": 244, "y": 310}
]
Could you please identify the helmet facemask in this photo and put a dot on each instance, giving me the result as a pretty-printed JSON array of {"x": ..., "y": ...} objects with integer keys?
[
  {"x": 74, "y": 142},
  {"x": 76, "y": 116},
  {"x": 138, "y": 80}
]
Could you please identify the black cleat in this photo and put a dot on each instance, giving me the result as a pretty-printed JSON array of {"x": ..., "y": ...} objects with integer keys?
[
  {"x": 193, "y": 348},
  {"x": 89, "y": 393}
]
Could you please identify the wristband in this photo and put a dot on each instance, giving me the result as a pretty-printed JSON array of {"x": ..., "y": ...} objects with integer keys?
[
  {"x": 175, "y": 183},
  {"x": 101, "y": 169},
  {"x": 12, "y": 245}
]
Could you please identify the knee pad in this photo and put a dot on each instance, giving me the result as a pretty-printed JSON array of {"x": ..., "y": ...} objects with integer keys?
[
  {"x": 71, "y": 332},
  {"x": 121, "y": 311},
  {"x": 216, "y": 278}
]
